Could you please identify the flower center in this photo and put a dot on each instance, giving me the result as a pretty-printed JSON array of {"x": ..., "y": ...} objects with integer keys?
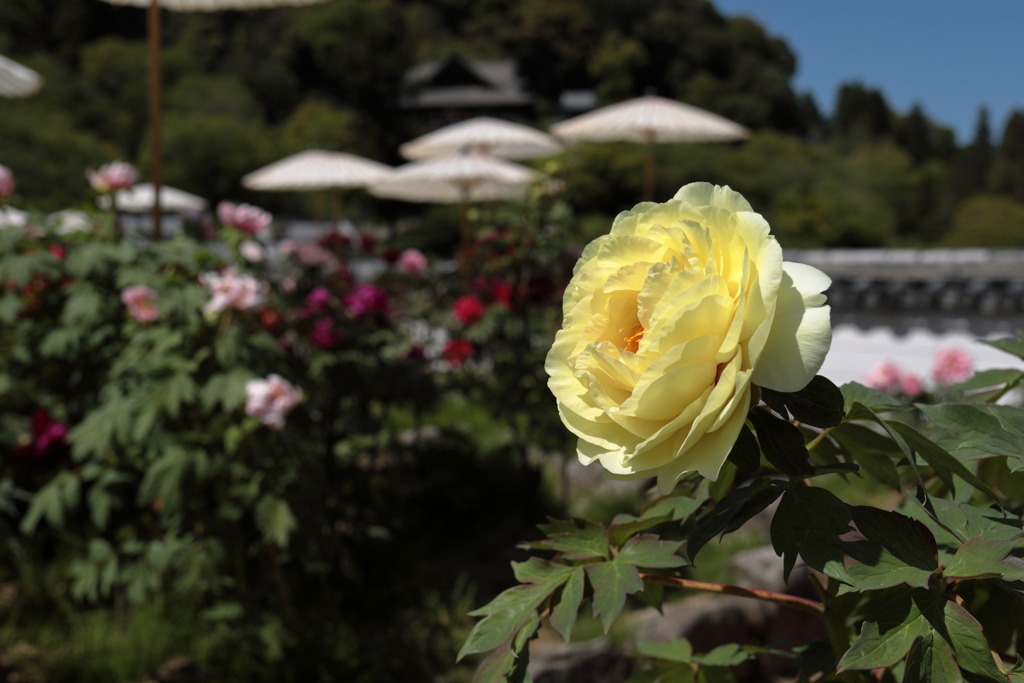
[{"x": 633, "y": 340}]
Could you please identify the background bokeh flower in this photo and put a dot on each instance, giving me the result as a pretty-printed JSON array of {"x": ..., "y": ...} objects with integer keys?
[{"x": 141, "y": 303}]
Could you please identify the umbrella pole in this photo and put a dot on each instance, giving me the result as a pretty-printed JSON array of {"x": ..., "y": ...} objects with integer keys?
[
  {"x": 464, "y": 237},
  {"x": 649, "y": 170},
  {"x": 156, "y": 150},
  {"x": 335, "y": 208}
]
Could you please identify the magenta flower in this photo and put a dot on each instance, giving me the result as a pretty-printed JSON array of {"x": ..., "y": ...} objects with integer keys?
[
  {"x": 47, "y": 435},
  {"x": 6, "y": 182},
  {"x": 141, "y": 303},
  {"x": 412, "y": 262},
  {"x": 270, "y": 400},
  {"x": 366, "y": 299},
  {"x": 323, "y": 335},
  {"x": 884, "y": 377},
  {"x": 117, "y": 175},
  {"x": 952, "y": 365},
  {"x": 245, "y": 217},
  {"x": 468, "y": 309},
  {"x": 317, "y": 301}
]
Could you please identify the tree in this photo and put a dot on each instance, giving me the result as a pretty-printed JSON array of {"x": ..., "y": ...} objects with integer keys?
[{"x": 1008, "y": 168}]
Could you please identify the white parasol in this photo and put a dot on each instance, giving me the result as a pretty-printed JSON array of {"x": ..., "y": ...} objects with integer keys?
[
  {"x": 456, "y": 178},
  {"x": 484, "y": 134},
  {"x": 17, "y": 80},
  {"x": 155, "y": 34},
  {"x": 139, "y": 199},
  {"x": 317, "y": 170},
  {"x": 650, "y": 120}
]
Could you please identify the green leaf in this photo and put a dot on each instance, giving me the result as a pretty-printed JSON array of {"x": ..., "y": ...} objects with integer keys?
[
  {"x": 612, "y": 582},
  {"x": 973, "y": 651},
  {"x": 625, "y": 526},
  {"x": 871, "y": 450},
  {"x": 275, "y": 519},
  {"x": 907, "y": 539},
  {"x": 653, "y": 594},
  {"x": 581, "y": 543},
  {"x": 878, "y": 568},
  {"x": 721, "y": 486},
  {"x": 496, "y": 666},
  {"x": 504, "y": 615},
  {"x": 745, "y": 453},
  {"x": 781, "y": 442},
  {"x": 511, "y": 609},
  {"x": 873, "y": 401},
  {"x": 944, "y": 464},
  {"x": 966, "y": 521},
  {"x": 887, "y": 636},
  {"x": 732, "y": 512},
  {"x": 679, "y": 504},
  {"x": 990, "y": 378},
  {"x": 960, "y": 418},
  {"x": 819, "y": 404},
  {"x": 931, "y": 661},
  {"x": 724, "y": 655},
  {"x": 647, "y": 550},
  {"x": 675, "y": 650},
  {"x": 980, "y": 558},
  {"x": 808, "y": 522},
  {"x": 1010, "y": 345},
  {"x": 563, "y": 616},
  {"x": 536, "y": 570}
]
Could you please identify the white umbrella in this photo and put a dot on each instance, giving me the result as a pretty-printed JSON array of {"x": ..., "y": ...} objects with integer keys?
[
  {"x": 483, "y": 134},
  {"x": 139, "y": 199},
  {"x": 650, "y": 120},
  {"x": 17, "y": 80},
  {"x": 154, "y": 34},
  {"x": 456, "y": 178},
  {"x": 316, "y": 169}
]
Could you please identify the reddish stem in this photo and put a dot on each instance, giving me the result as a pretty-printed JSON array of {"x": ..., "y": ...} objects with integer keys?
[{"x": 802, "y": 604}]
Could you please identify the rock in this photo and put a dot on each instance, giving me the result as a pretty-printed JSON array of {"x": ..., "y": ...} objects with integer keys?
[{"x": 592, "y": 661}]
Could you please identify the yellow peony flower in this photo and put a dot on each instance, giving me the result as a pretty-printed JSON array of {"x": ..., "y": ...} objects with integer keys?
[{"x": 668, "y": 323}]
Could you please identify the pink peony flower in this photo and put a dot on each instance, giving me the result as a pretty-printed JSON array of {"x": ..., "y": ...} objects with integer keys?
[
  {"x": 952, "y": 365},
  {"x": 231, "y": 290},
  {"x": 270, "y": 400},
  {"x": 468, "y": 309},
  {"x": 117, "y": 175},
  {"x": 251, "y": 251},
  {"x": 6, "y": 182},
  {"x": 289, "y": 284},
  {"x": 412, "y": 262},
  {"x": 141, "y": 303},
  {"x": 365, "y": 300},
  {"x": 245, "y": 217},
  {"x": 457, "y": 352},
  {"x": 884, "y": 377},
  {"x": 911, "y": 385}
]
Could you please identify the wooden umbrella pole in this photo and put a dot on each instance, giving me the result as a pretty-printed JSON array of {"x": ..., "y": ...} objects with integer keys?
[
  {"x": 156, "y": 149},
  {"x": 649, "y": 167},
  {"x": 464, "y": 236},
  {"x": 335, "y": 207}
]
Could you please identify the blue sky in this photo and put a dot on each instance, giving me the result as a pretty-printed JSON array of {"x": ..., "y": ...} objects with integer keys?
[{"x": 951, "y": 57}]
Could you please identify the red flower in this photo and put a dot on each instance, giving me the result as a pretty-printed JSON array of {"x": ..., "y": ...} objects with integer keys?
[
  {"x": 501, "y": 293},
  {"x": 468, "y": 309},
  {"x": 57, "y": 251},
  {"x": 270, "y": 319},
  {"x": 457, "y": 352}
]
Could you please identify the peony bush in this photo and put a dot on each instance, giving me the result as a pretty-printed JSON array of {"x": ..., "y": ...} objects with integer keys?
[{"x": 687, "y": 355}]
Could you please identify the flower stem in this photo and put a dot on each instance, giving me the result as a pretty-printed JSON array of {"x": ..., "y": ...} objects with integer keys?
[
  {"x": 835, "y": 624},
  {"x": 819, "y": 438},
  {"x": 802, "y": 604}
]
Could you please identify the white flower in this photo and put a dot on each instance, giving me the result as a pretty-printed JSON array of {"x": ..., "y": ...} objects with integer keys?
[{"x": 270, "y": 400}]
